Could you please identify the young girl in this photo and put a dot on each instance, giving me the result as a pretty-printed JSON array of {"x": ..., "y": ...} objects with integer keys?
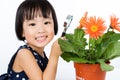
[{"x": 36, "y": 24}]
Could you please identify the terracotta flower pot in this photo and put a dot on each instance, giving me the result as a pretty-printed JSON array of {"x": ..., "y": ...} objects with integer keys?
[{"x": 89, "y": 72}]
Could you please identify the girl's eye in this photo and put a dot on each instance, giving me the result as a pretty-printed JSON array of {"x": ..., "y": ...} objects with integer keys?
[
  {"x": 47, "y": 23},
  {"x": 32, "y": 24}
]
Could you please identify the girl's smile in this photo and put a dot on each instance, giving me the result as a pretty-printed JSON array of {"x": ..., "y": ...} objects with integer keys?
[{"x": 41, "y": 38}]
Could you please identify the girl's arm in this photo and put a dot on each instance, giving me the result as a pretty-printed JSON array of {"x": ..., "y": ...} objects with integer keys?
[{"x": 50, "y": 71}]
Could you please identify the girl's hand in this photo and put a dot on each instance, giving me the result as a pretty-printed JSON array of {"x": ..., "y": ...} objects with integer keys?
[{"x": 56, "y": 50}]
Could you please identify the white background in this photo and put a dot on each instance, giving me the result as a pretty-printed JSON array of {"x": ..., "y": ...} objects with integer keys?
[{"x": 77, "y": 8}]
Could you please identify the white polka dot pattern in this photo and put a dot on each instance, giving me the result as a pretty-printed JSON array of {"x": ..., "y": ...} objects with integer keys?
[{"x": 17, "y": 76}]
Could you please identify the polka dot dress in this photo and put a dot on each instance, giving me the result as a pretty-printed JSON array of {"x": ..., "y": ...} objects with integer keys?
[{"x": 42, "y": 62}]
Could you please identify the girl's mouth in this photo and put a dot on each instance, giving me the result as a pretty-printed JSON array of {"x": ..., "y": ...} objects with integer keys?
[{"x": 41, "y": 38}]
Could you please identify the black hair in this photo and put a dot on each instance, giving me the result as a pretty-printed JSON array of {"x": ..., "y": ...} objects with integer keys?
[{"x": 28, "y": 10}]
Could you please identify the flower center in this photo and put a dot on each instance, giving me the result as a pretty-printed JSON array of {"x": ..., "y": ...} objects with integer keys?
[{"x": 94, "y": 28}]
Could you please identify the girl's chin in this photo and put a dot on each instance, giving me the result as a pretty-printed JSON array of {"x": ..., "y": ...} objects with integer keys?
[{"x": 42, "y": 44}]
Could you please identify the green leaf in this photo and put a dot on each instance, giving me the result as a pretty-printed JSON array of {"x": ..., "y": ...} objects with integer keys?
[
  {"x": 78, "y": 38},
  {"x": 66, "y": 46},
  {"x": 73, "y": 57},
  {"x": 105, "y": 42},
  {"x": 67, "y": 56},
  {"x": 112, "y": 51},
  {"x": 109, "y": 38},
  {"x": 78, "y": 34},
  {"x": 69, "y": 37},
  {"x": 105, "y": 66}
]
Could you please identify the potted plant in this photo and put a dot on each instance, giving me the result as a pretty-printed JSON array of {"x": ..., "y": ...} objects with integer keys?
[{"x": 92, "y": 43}]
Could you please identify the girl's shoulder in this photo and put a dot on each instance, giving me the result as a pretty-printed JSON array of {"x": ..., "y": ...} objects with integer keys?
[
  {"x": 23, "y": 60},
  {"x": 23, "y": 54},
  {"x": 21, "y": 51},
  {"x": 24, "y": 51}
]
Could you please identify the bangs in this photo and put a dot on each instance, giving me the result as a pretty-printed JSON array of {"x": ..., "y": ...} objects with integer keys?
[{"x": 38, "y": 9}]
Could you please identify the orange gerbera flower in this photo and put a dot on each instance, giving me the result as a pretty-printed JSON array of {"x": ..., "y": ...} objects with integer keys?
[
  {"x": 94, "y": 27},
  {"x": 114, "y": 23},
  {"x": 82, "y": 20}
]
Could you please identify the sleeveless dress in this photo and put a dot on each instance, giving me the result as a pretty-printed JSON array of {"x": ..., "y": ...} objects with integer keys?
[{"x": 42, "y": 62}]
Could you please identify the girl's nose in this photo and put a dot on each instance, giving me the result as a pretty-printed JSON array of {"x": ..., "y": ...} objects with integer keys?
[{"x": 41, "y": 29}]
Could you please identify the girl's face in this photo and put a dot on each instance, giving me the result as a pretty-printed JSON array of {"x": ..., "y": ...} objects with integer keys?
[{"x": 39, "y": 31}]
